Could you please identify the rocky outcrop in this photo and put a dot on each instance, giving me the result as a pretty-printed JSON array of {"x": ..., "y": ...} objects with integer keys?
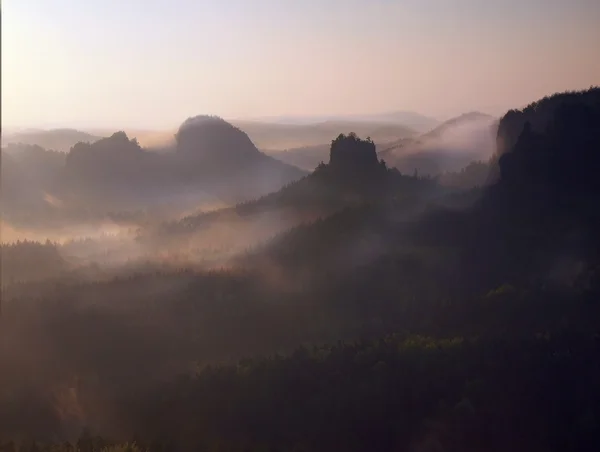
[{"x": 350, "y": 153}]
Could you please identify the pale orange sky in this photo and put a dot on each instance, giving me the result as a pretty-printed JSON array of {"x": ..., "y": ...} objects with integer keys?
[{"x": 152, "y": 63}]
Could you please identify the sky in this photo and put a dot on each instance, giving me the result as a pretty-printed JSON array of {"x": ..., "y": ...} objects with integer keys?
[{"x": 153, "y": 63}]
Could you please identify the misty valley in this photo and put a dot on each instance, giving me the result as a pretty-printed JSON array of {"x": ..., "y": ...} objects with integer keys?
[{"x": 385, "y": 283}]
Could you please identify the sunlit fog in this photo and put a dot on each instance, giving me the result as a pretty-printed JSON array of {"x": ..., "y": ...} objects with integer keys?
[{"x": 300, "y": 226}]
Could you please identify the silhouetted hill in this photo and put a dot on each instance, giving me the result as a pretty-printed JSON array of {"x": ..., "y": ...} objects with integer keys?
[
  {"x": 468, "y": 120},
  {"x": 214, "y": 161},
  {"x": 210, "y": 138},
  {"x": 352, "y": 172},
  {"x": 538, "y": 223},
  {"x": 55, "y": 139},
  {"x": 114, "y": 172},
  {"x": 35, "y": 156},
  {"x": 539, "y": 114},
  {"x": 150, "y": 139},
  {"x": 306, "y": 157},
  {"x": 534, "y": 228},
  {"x": 224, "y": 159},
  {"x": 449, "y": 147},
  {"x": 386, "y": 133},
  {"x": 309, "y": 157},
  {"x": 29, "y": 174},
  {"x": 416, "y": 121},
  {"x": 472, "y": 326},
  {"x": 353, "y": 176},
  {"x": 274, "y": 138}
]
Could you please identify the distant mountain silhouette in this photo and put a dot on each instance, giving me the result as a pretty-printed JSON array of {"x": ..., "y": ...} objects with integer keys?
[
  {"x": 273, "y": 138},
  {"x": 535, "y": 228},
  {"x": 28, "y": 174},
  {"x": 306, "y": 157},
  {"x": 353, "y": 174},
  {"x": 54, "y": 139},
  {"x": 539, "y": 115},
  {"x": 349, "y": 155},
  {"x": 469, "y": 325},
  {"x": 213, "y": 160},
  {"x": 558, "y": 158},
  {"x": 542, "y": 210},
  {"x": 212, "y": 157},
  {"x": 464, "y": 120},
  {"x": 315, "y": 138},
  {"x": 449, "y": 147},
  {"x": 219, "y": 155},
  {"x": 418, "y": 122},
  {"x": 415, "y": 121},
  {"x": 309, "y": 157},
  {"x": 113, "y": 172},
  {"x": 210, "y": 138}
]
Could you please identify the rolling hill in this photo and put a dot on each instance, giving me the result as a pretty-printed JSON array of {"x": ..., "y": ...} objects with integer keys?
[
  {"x": 449, "y": 147},
  {"x": 213, "y": 162},
  {"x": 353, "y": 176},
  {"x": 55, "y": 139},
  {"x": 275, "y": 137},
  {"x": 416, "y": 121}
]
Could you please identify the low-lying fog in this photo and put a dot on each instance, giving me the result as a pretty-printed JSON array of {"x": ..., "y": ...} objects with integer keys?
[{"x": 114, "y": 272}]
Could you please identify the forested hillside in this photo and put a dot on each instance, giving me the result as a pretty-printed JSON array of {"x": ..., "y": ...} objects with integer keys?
[{"x": 398, "y": 315}]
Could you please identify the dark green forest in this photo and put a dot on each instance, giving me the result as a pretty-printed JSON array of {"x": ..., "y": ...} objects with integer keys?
[{"x": 408, "y": 314}]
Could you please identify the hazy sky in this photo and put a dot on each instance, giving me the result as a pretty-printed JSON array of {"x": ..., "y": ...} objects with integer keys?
[{"x": 152, "y": 63}]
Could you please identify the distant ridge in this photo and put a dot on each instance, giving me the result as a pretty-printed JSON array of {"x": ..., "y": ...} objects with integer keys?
[
  {"x": 450, "y": 146},
  {"x": 269, "y": 136},
  {"x": 213, "y": 161},
  {"x": 414, "y": 120},
  {"x": 54, "y": 139}
]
